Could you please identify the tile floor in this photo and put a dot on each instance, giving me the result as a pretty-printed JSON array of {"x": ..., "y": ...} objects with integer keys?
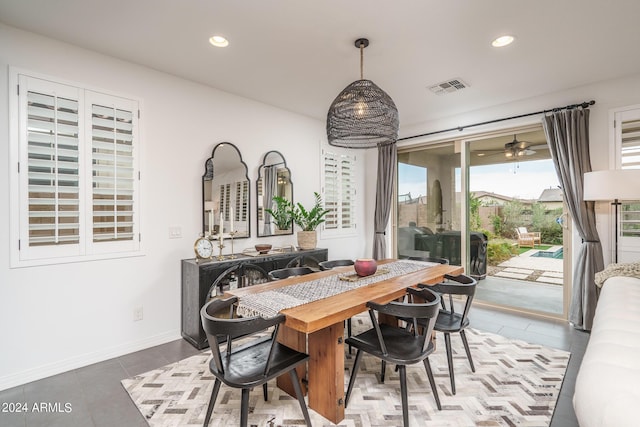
[{"x": 97, "y": 399}]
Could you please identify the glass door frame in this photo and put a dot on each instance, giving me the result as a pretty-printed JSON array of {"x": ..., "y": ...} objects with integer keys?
[{"x": 462, "y": 146}]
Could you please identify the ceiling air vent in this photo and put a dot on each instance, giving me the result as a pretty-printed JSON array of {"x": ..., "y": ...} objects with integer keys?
[{"x": 448, "y": 86}]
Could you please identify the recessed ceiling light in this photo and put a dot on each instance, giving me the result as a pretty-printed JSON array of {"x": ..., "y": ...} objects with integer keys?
[
  {"x": 502, "y": 41},
  {"x": 219, "y": 41}
]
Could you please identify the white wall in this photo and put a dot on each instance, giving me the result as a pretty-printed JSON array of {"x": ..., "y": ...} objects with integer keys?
[
  {"x": 59, "y": 317},
  {"x": 608, "y": 95}
]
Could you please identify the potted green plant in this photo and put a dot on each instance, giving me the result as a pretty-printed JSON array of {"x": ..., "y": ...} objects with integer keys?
[
  {"x": 308, "y": 220},
  {"x": 281, "y": 213}
]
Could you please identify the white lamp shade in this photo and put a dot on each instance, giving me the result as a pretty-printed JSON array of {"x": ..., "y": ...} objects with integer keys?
[{"x": 619, "y": 184}]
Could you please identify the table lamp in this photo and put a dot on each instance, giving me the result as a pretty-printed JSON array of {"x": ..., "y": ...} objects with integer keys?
[{"x": 616, "y": 185}]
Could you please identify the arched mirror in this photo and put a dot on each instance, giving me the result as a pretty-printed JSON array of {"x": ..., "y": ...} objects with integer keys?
[
  {"x": 275, "y": 193},
  {"x": 225, "y": 193}
]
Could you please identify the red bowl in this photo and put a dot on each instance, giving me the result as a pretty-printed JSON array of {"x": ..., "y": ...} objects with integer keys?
[{"x": 365, "y": 267}]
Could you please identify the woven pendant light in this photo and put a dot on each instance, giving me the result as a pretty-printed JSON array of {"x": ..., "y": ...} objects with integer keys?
[{"x": 362, "y": 115}]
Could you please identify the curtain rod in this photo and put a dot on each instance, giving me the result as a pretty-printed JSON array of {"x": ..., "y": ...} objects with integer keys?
[{"x": 585, "y": 104}]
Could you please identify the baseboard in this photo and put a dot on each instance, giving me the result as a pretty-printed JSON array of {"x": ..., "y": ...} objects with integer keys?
[{"x": 56, "y": 368}]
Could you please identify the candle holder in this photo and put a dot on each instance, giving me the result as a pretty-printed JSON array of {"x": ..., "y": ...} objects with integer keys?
[
  {"x": 232, "y": 234},
  {"x": 220, "y": 257}
]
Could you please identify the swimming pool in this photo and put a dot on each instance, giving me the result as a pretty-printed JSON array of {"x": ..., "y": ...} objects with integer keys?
[{"x": 548, "y": 254}]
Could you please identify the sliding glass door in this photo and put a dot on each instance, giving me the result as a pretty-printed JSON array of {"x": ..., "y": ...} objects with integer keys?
[
  {"x": 493, "y": 204},
  {"x": 428, "y": 215}
]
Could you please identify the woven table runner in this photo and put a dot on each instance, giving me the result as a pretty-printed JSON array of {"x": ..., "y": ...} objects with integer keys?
[{"x": 270, "y": 303}]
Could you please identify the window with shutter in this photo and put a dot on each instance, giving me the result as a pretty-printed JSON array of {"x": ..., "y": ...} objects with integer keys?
[
  {"x": 627, "y": 143},
  {"x": 76, "y": 183},
  {"x": 52, "y": 134},
  {"x": 112, "y": 172},
  {"x": 338, "y": 193}
]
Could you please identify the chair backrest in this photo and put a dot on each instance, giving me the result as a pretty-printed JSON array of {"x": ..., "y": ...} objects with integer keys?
[
  {"x": 217, "y": 288},
  {"x": 283, "y": 273},
  {"x": 328, "y": 265},
  {"x": 423, "y": 304},
  {"x": 304, "y": 261},
  {"x": 220, "y": 329},
  {"x": 521, "y": 231},
  {"x": 457, "y": 285},
  {"x": 429, "y": 259},
  {"x": 252, "y": 274}
]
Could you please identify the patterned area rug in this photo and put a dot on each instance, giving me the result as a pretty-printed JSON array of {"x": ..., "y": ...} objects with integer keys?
[{"x": 515, "y": 384}]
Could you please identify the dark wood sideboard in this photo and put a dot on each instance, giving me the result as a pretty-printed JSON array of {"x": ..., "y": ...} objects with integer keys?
[{"x": 198, "y": 275}]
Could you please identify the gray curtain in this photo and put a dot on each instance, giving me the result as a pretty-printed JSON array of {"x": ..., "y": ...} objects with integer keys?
[
  {"x": 269, "y": 186},
  {"x": 387, "y": 164},
  {"x": 567, "y": 134}
]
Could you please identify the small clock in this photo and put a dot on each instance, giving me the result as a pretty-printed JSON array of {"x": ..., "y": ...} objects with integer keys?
[{"x": 203, "y": 248}]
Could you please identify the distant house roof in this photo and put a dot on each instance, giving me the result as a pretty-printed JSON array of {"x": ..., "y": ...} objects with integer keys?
[
  {"x": 488, "y": 194},
  {"x": 551, "y": 195},
  {"x": 481, "y": 194}
]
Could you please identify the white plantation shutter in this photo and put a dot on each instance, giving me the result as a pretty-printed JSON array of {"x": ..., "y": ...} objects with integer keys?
[
  {"x": 348, "y": 191},
  {"x": 331, "y": 194},
  {"x": 630, "y": 159},
  {"x": 52, "y": 153},
  {"x": 627, "y": 143},
  {"x": 338, "y": 192},
  {"x": 112, "y": 173},
  {"x": 77, "y": 182},
  {"x": 630, "y": 144},
  {"x": 241, "y": 201}
]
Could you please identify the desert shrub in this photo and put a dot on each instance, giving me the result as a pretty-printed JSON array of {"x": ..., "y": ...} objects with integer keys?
[
  {"x": 499, "y": 251},
  {"x": 551, "y": 234},
  {"x": 496, "y": 221},
  {"x": 513, "y": 213}
]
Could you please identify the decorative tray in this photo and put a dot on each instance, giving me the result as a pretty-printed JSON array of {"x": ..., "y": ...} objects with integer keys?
[
  {"x": 353, "y": 277},
  {"x": 254, "y": 253}
]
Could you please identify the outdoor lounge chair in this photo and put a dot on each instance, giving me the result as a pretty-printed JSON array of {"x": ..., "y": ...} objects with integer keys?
[{"x": 527, "y": 239}]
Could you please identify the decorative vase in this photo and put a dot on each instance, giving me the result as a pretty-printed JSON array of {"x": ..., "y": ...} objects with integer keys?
[
  {"x": 365, "y": 267},
  {"x": 307, "y": 239}
]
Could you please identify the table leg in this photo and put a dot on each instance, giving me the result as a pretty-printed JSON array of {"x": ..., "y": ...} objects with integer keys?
[
  {"x": 326, "y": 372},
  {"x": 297, "y": 341}
]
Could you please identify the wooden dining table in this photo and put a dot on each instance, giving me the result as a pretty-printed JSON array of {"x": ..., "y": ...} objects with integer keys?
[{"x": 317, "y": 328}]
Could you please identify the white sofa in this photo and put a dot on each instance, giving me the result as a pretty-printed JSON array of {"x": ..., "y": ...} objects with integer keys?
[{"x": 607, "y": 390}]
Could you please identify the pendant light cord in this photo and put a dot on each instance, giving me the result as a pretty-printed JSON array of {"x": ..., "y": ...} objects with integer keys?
[{"x": 361, "y": 61}]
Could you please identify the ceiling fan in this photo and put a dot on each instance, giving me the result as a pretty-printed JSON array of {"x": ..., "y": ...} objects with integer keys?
[{"x": 515, "y": 149}]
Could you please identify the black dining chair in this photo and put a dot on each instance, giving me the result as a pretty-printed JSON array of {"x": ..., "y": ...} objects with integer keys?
[
  {"x": 450, "y": 321},
  {"x": 251, "y": 364},
  {"x": 304, "y": 261},
  {"x": 251, "y": 274},
  {"x": 399, "y": 345},
  {"x": 429, "y": 259},
  {"x": 223, "y": 281},
  {"x": 283, "y": 273},
  {"x": 328, "y": 265}
]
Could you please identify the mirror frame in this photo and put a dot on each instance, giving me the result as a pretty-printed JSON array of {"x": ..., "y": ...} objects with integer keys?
[
  {"x": 260, "y": 169},
  {"x": 209, "y": 176}
]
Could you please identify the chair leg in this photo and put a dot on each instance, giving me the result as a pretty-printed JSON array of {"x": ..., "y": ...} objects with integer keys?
[
  {"x": 432, "y": 382},
  {"x": 349, "y": 331},
  {"x": 383, "y": 371},
  {"x": 466, "y": 348},
  {"x": 296, "y": 387},
  {"x": 403, "y": 395},
  {"x": 354, "y": 373},
  {"x": 244, "y": 408},
  {"x": 212, "y": 401},
  {"x": 264, "y": 392},
  {"x": 447, "y": 342}
]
